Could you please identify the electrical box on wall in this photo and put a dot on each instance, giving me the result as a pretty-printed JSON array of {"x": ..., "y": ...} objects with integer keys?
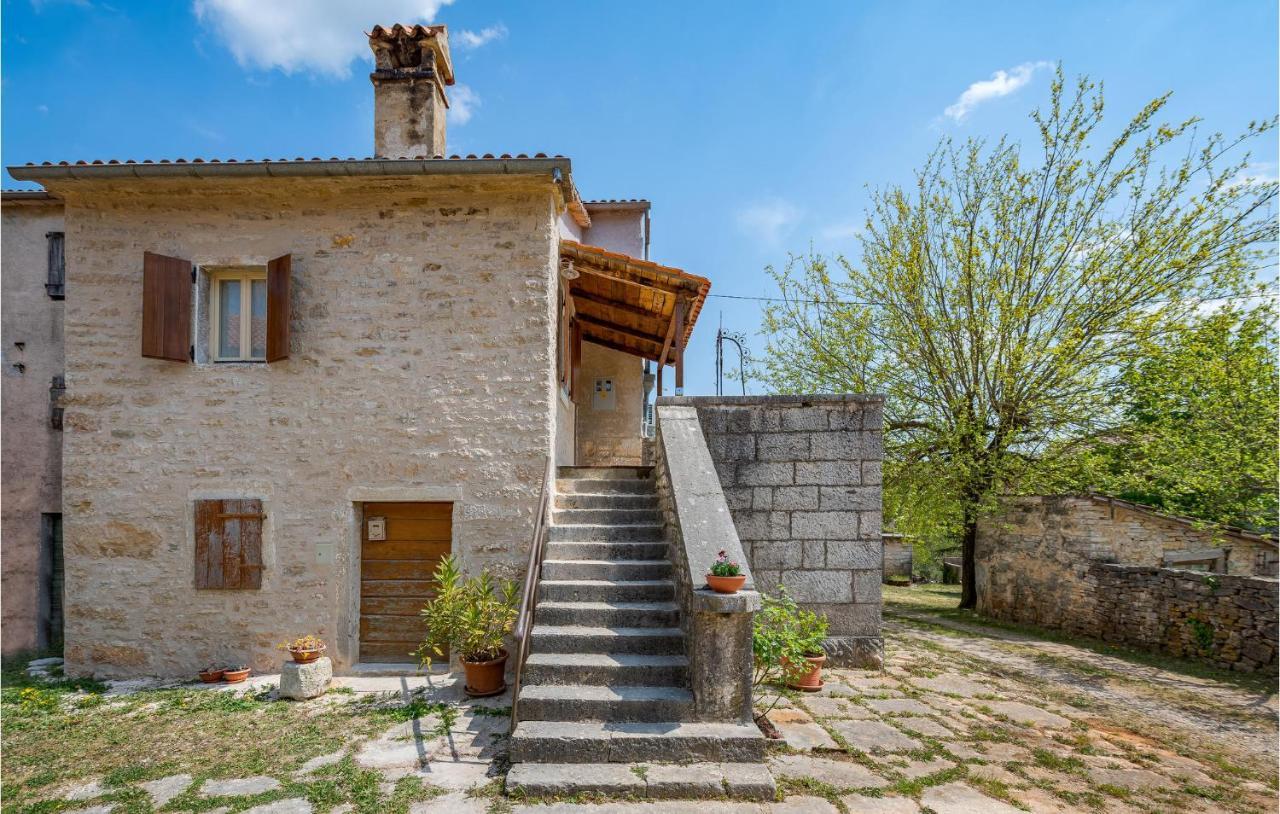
[
  {"x": 377, "y": 528},
  {"x": 602, "y": 397}
]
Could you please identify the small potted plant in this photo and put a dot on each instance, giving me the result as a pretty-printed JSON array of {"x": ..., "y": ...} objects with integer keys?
[
  {"x": 726, "y": 577},
  {"x": 305, "y": 649},
  {"x": 211, "y": 674},
  {"x": 234, "y": 675},
  {"x": 806, "y": 673},
  {"x": 472, "y": 618}
]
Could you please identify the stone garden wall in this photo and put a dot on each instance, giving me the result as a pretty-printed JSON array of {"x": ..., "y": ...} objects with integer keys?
[
  {"x": 1069, "y": 564},
  {"x": 801, "y": 477}
]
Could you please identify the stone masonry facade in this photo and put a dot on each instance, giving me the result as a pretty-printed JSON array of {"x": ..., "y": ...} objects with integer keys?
[
  {"x": 801, "y": 476},
  {"x": 1067, "y": 563},
  {"x": 421, "y": 367}
]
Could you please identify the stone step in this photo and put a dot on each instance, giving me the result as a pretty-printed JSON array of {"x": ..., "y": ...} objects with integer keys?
[
  {"x": 602, "y": 532},
  {"x": 604, "y": 472},
  {"x": 596, "y": 702},
  {"x": 657, "y": 641},
  {"x": 665, "y": 781},
  {"x": 606, "y": 569},
  {"x": 620, "y": 669},
  {"x": 606, "y": 501},
  {"x": 609, "y": 516},
  {"x": 668, "y": 741},
  {"x": 609, "y": 614},
  {"x": 604, "y": 590},
  {"x": 604, "y": 486},
  {"x": 646, "y": 550}
]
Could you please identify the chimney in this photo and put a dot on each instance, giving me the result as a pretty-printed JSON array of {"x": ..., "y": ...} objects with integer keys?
[{"x": 412, "y": 67}]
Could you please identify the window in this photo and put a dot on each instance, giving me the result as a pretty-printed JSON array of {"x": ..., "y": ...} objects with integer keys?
[
  {"x": 57, "y": 389},
  {"x": 229, "y": 543},
  {"x": 238, "y": 315},
  {"x": 55, "y": 282},
  {"x": 248, "y": 310}
]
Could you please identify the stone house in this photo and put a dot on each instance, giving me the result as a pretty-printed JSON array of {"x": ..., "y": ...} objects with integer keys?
[{"x": 292, "y": 386}]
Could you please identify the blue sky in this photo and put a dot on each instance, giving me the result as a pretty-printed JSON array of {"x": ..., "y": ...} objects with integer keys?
[{"x": 755, "y": 128}]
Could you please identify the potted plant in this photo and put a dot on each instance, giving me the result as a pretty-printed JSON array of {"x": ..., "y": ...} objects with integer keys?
[
  {"x": 211, "y": 674},
  {"x": 305, "y": 649},
  {"x": 472, "y": 619},
  {"x": 805, "y": 673},
  {"x": 726, "y": 577},
  {"x": 234, "y": 675},
  {"x": 786, "y": 643}
]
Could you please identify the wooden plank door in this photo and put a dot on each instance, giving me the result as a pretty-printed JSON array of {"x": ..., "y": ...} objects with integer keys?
[{"x": 396, "y": 576}]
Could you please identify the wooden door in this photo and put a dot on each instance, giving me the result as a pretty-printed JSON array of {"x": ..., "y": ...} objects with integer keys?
[{"x": 396, "y": 576}]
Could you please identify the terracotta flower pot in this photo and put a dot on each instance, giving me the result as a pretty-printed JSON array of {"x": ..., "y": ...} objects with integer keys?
[
  {"x": 307, "y": 656},
  {"x": 486, "y": 677},
  {"x": 810, "y": 681},
  {"x": 726, "y": 585},
  {"x": 211, "y": 676},
  {"x": 235, "y": 676}
]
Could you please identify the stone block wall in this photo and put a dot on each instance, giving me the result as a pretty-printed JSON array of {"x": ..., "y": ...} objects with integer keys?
[
  {"x": 1069, "y": 563},
  {"x": 801, "y": 476}
]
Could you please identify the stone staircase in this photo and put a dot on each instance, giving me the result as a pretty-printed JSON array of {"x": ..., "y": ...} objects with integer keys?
[{"x": 605, "y": 705}]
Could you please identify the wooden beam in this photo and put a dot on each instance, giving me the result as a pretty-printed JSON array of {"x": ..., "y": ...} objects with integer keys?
[
  {"x": 620, "y": 329},
  {"x": 596, "y": 299},
  {"x": 654, "y": 286},
  {"x": 678, "y": 321},
  {"x": 611, "y": 345},
  {"x": 671, "y": 332}
]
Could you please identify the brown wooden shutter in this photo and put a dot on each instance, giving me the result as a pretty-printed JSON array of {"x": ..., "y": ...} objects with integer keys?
[
  {"x": 278, "y": 272},
  {"x": 166, "y": 307},
  {"x": 228, "y": 543}
]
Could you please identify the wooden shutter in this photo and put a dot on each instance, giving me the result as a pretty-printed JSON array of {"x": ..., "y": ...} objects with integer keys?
[
  {"x": 166, "y": 308},
  {"x": 278, "y": 272},
  {"x": 228, "y": 543},
  {"x": 55, "y": 281}
]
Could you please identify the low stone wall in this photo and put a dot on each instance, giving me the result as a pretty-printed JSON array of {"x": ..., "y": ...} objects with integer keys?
[
  {"x": 1224, "y": 620},
  {"x": 801, "y": 477},
  {"x": 1051, "y": 562}
]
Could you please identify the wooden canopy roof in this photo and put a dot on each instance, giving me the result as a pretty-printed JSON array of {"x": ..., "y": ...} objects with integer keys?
[{"x": 628, "y": 304}]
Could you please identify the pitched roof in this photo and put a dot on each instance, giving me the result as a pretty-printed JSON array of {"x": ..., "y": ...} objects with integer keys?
[{"x": 558, "y": 167}]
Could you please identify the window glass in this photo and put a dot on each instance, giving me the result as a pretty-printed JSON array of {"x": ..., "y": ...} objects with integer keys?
[
  {"x": 258, "y": 324},
  {"x": 229, "y": 318}
]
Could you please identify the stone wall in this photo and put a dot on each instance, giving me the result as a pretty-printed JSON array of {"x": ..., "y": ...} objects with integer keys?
[
  {"x": 801, "y": 476},
  {"x": 420, "y": 368},
  {"x": 898, "y": 557},
  {"x": 1093, "y": 568},
  {"x": 31, "y": 350}
]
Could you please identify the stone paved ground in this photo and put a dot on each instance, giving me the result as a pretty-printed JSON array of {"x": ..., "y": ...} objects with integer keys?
[{"x": 964, "y": 718}]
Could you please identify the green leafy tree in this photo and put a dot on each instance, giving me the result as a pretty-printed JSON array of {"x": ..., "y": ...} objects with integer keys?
[
  {"x": 1199, "y": 431},
  {"x": 996, "y": 301}
]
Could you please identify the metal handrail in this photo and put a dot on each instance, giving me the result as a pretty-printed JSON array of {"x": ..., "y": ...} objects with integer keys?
[{"x": 528, "y": 601}]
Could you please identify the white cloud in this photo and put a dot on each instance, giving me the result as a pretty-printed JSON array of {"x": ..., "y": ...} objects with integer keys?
[
  {"x": 465, "y": 39},
  {"x": 846, "y": 230},
  {"x": 463, "y": 102},
  {"x": 321, "y": 36},
  {"x": 1259, "y": 172},
  {"x": 42, "y": 108},
  {"x": 1001, "y": 83},
  {"x": 769, "y": 221}
]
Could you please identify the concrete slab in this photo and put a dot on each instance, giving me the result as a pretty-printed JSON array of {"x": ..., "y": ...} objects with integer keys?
[
  {"x": 843, "y": 774},
  {"x": 951, "y": 684},
  {"x": 1132, "y": 779},
  {"x": 294, "y": 805},
  {"x": 800, "y": 731},
  {"x": 908, "y": 706},
  {"x": 874, "y": 736},
  {"x": 455, "y": 803},
  {"x": 924, "y": 726},
  {"x": 858, "y": 804},
  {"x": 1028, "y": 715},
  {"x": 957, "y": 798},
  {"x": 166, "y": 788}
]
